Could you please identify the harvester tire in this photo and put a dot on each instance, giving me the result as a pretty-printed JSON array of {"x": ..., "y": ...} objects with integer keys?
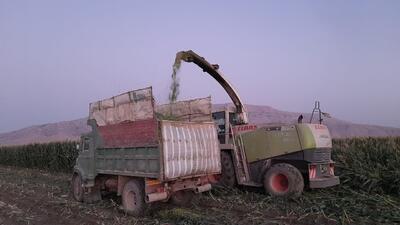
[
  {"x": 182, "y": 198},
  {"x": 77, "y": 189},
  {"x": 133, "y": 200},
  {"x": 283, "y": 180},
  {"x": 228, "y": 177}
]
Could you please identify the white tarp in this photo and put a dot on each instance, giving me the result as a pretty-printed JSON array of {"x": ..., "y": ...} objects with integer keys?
[
  {"x": 129, "y": 106},
  {"x": 196, "y": 110},
  {"x": 190, "y": 149}
]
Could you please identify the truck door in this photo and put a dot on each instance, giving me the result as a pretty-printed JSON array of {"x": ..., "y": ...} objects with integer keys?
[{"x": 86, "y": 160}]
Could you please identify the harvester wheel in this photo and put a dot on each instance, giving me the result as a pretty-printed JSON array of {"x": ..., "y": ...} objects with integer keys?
[
  {"x": 133, "y": 198},
  {"x": 182, "y": 198},
  {"x": 76, "y": 187},
  {"x": 228, "y": 178},
  {"x": 283, "y": 180}
]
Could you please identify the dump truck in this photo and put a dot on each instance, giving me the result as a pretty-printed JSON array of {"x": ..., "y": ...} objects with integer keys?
[
  {"x": 137, "y": 150},
  {"x": 283, "y": 159}
]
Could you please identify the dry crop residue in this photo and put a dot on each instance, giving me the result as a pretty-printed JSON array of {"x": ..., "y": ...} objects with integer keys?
[{"x": 36, "y": 197}]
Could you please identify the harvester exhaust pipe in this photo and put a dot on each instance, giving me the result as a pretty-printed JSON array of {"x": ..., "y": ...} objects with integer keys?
[{"x": 202, "y": 188}]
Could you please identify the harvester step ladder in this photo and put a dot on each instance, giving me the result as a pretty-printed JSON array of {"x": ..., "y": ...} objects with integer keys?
[{"x": 243, "y": 174}]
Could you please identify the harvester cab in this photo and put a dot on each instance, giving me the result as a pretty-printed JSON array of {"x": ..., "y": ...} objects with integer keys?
[{"x": 283, "y": 158}]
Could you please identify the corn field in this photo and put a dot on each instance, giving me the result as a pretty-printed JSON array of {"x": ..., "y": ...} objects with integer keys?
[
  {"x": 56, "y": 156},
  {"x": 370, "y": 164}
]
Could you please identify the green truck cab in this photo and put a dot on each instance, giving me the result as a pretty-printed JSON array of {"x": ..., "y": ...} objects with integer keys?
[{"x": 135, "y": 152}]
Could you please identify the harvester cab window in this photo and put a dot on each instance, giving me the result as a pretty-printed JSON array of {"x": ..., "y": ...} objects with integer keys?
[
  {"x": 219, "y": 119},
  {"x": 233, "y": 119}
]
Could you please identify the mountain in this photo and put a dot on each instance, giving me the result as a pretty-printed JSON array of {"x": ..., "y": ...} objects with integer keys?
[
  {"x": 260, "y": 115},
  {"x": 66, "y": 130}
]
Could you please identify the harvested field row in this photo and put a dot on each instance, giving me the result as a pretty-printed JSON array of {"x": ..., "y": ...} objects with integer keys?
[{"x": 37, "y": 197}]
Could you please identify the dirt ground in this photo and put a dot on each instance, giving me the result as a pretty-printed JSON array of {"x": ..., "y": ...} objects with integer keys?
[{"x": 30, "y": 197}]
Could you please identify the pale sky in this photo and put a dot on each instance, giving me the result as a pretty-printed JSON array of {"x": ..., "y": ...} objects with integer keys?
[{"x": 57, "y": 56}]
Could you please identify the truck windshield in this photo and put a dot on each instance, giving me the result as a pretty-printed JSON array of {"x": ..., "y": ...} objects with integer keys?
[{"x": 86, "y": 143}]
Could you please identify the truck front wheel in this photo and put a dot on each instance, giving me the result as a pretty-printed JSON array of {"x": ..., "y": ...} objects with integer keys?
[
  {"x": 76, "y": 187},
  {"x": 283, "y": 180},
  {"x": 133, "y": 198}
]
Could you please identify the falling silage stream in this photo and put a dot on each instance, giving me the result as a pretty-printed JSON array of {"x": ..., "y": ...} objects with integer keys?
[{"x": 175, "y": 83}]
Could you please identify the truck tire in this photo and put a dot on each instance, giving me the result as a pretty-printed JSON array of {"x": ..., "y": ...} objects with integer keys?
[
  {"x": 228, "y": 177},
  {"x": 182, "y": 198},
  {"x": 133, "y": 198},
  {"x": 283, "y": 180},
  {"x": 76, "y": 187}
]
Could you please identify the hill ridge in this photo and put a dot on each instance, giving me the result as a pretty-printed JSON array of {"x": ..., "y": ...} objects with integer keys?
[{"x": 258, "y": 114}]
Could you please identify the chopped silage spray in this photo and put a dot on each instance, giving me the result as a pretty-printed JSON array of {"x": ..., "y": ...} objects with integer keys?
[{"x": 175, "y": 86}]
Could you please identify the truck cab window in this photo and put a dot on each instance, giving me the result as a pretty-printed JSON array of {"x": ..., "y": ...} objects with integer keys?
[{"x": 86, "y": 143}]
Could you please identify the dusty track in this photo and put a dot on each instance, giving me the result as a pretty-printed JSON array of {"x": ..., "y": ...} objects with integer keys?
[{"x": 37, "y": 197}]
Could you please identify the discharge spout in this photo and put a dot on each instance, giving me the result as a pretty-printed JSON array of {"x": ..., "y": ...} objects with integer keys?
[{"x": 213, "y": 70}]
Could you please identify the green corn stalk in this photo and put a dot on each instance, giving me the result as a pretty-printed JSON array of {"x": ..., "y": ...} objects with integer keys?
[{"x": 56, "y": 156}]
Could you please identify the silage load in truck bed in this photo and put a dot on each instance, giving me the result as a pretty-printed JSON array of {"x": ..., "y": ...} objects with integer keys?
[
  {"x": 195, "y": 110},
  {"x": 130, "y": 106},
  {"x": 139, "y": 105}
]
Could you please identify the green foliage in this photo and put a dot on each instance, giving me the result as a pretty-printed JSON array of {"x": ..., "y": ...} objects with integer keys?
[
  {"x": 369, "y": 164},
  {"x": 56, "y": 156}
]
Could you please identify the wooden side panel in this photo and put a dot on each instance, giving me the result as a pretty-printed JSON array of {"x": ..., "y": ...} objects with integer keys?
[{"x": 130, "y": 134}]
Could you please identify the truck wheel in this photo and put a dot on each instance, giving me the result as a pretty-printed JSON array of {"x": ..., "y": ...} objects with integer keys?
[
  {"x": 76, "y": 187},
  {"x": 283, "y": 180},
  {"x": 133, "y": 198},
  {"x": 182, "y": 198},
  {"x": 228, "y": 178}
]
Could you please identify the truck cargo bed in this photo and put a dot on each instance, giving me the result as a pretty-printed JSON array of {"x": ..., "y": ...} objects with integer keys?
[
  {"x": 183, "y": 149},
  {"x": 129, "y": 139}
]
